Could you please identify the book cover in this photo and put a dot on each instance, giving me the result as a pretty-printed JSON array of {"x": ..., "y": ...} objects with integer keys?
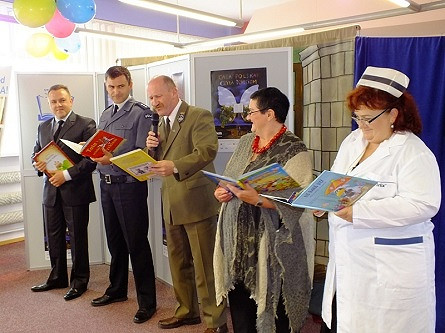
[
  {"x": 270, "y": 178},
  {"x": 136, "y": 163},
  {"x": 330, "y": 191},
  {"x": 93, "y": 146},
  {"x": 54, "y": 157}
]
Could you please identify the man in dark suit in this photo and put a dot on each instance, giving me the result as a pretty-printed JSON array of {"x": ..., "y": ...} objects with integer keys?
[
  {"x": 66, "y": 195},
  {"x": 187, "y": 144},
  {"x": 124, "y": 199}
]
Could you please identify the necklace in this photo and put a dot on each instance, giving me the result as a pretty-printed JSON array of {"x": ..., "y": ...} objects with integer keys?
[{"x": 256, "y": 141}]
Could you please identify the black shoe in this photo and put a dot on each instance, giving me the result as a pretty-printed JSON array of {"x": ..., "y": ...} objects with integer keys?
[
  {"x": 46, "y": 287},
  {"x": 73, "y": 293},
  {"x": 143, "y": 315},
  {"x": 105, "y": 300}
]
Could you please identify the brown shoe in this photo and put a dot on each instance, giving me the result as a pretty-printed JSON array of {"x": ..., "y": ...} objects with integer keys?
[
  {"x": 221, "y": 329},
  {"x": 174, "y": 322}
]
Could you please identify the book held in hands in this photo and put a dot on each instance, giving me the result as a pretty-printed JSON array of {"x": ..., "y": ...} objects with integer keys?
[
  {"x": 270, "y": 178},
  {"x": 330, "y": 191},
  {"x": 93, "y": 146},
  {"x": 54, "y": 157},
  {"x": 136, "y": 163}
]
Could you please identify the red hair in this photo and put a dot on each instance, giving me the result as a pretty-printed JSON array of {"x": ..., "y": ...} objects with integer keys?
[{"x": 408, "y": 118}]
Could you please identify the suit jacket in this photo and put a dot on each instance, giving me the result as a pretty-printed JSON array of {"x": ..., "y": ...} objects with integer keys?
[
  {"x": 192, "y": 146},
  {"x": 79, "y": 190}
]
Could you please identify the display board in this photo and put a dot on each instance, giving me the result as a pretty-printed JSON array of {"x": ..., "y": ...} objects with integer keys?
[
  {"x": 238, "y": 69},
  {"x": 32, "y": 91}
]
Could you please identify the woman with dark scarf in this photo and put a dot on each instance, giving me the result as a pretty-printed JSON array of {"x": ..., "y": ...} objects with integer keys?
[{"x": 264, "y": 250}]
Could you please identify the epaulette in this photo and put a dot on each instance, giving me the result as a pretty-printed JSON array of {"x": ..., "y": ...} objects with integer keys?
[{"x": 142, "y": 105}]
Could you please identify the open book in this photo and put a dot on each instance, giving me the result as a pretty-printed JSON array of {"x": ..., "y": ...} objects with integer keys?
[
  {"x": 93, "y": 146},
  {"x": 270, "y": 178},
  {"x": 137, "y": 163},
  {"x": 330, "y": 191},
  {"x": 54, "y": 157}
]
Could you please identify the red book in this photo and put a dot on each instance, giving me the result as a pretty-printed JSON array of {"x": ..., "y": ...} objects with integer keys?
[{"x": 93, "y": 146}]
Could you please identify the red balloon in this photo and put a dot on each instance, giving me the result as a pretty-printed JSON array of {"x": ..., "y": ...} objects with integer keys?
[{"x": 59, "y": 26}]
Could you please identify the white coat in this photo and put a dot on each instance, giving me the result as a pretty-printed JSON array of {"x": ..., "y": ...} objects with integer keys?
[{"x": 381, "y": 266}]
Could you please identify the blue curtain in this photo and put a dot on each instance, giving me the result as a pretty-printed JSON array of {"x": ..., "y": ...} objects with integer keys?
[{"x": 423, "y": 60}]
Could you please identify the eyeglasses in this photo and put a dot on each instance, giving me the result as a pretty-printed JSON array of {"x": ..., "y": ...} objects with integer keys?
[
  {"x": 253, "y": 111},
  {"x": 367, "y": 121}
]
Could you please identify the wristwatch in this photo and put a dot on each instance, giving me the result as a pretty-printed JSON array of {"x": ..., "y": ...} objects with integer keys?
[{"x": 259, "y": 202}]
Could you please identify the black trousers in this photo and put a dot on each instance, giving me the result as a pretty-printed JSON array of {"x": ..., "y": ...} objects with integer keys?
[
  {"x": 57, "y": 219},
  {"x": 125, "y": 211},
  {"x": 243, "y": 311}
]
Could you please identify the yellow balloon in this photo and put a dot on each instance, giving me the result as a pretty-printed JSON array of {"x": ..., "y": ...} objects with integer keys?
[
  {"x": 59, "y": 54},
  {"x": 39, "y": 44},
  {"x": 34, "y": 13}
]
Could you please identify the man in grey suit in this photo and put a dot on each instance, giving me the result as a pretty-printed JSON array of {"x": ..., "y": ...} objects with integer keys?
[
  {"x": 124, "y": 199},
  {"x": 66, "y": 195},
  {"x": 187, "y": 144}
]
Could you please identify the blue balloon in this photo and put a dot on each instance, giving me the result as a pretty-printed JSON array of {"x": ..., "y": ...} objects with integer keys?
[
  {"x": 70, "y": 44},
  {"x": 77, "y": 11}
]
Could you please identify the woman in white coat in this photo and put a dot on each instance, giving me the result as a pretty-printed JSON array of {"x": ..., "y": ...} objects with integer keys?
[{"x": 381, "y": 249}]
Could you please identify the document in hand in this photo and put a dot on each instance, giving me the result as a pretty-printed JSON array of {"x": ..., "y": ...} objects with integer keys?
[
  {"x": 93, "y": 146},
  {"x": 137, "y": 163},
  {"x": 54, "y": 157},
  {"x": 270, "y": 178},
  {"x": 330, "y": 191}
]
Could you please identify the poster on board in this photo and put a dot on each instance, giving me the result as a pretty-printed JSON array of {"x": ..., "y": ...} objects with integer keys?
[{"x": 231, "y": 90}]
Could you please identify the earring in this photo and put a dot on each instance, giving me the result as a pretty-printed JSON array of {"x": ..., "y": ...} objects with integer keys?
[{"x": 392, "y": 125}]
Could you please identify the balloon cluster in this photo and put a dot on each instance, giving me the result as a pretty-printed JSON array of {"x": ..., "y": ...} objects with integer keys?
[{"x": 59, "y": 18}]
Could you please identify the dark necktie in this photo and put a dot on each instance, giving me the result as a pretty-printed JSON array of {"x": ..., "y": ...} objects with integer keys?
[
  {"x": 115, "y": 109},
  {"x": 57, "y": 132},
  {"x": 167, "y": 127}
]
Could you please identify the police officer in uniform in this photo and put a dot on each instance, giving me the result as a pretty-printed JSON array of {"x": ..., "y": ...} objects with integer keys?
[{"x": 124, "y": 199}]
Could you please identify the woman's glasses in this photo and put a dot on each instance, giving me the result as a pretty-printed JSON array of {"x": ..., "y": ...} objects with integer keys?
[
  {"x": 253, "y": 111},
  {"x": 367, "y": 121}
]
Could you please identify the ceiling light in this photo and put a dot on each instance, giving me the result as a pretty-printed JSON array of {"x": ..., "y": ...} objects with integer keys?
[
  {"x": 249, "y": 37},
  {"x": 121, "y": 37},
  {"x": 401, "y": 3},
  {"x": 184, "y": 11},
  {"x": 407, "y": 4}
]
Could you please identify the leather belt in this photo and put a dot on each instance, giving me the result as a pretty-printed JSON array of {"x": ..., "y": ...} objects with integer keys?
[{"x": 110, "y": 179}]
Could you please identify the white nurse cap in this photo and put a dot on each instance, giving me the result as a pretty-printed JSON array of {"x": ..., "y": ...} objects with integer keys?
[{"x": 386, "y": 79}]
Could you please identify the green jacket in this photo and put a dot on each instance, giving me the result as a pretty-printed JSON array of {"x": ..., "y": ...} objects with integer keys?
[{"x": 187, "y": 196}]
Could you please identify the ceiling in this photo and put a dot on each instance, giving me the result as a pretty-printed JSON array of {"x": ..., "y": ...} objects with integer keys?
[{"x": 261, "y": 14}]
